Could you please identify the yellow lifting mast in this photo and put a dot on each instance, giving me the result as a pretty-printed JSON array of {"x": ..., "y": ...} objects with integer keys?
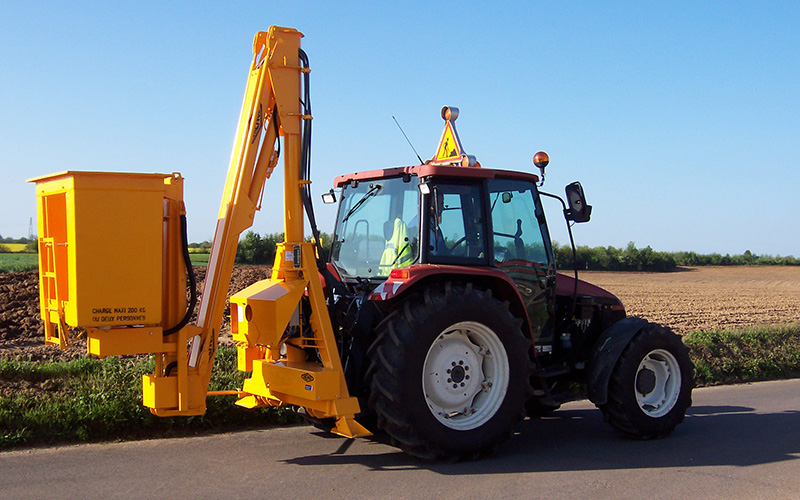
[{"x": 262, "y": 316}]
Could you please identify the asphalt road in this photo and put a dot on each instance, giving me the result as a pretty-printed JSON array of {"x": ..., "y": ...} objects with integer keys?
[{"x": 738, "y": 442}]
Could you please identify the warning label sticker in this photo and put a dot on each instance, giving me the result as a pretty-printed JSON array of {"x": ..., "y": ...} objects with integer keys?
[{"x": 119, "y": 315}]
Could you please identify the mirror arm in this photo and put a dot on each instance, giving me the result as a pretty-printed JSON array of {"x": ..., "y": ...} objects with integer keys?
[
  {"x": 574, "y": 252},
  {"x": 563, "y": 204}
]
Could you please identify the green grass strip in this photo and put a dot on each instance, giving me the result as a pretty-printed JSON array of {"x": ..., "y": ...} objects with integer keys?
[
  {"x": 748, "y": 355},
  {"x": 18, "y": 262},
  {"x": 99, "y": 400}
]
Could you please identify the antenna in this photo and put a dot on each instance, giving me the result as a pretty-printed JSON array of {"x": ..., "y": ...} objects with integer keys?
[{"x": 409, "y": 142}]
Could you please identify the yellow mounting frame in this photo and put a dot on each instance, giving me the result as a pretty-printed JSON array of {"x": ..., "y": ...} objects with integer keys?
[{"x": 271, "y": 107}]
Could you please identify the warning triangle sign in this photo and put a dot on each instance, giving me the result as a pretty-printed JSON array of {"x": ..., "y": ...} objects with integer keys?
[{"x": 449, "y": 146}]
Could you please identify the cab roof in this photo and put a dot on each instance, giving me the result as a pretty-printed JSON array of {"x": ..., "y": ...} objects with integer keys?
[{"x": 430, "y": 170}]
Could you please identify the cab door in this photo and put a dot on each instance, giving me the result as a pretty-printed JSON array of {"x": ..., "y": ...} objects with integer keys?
[{"x": 521, "y": 247}]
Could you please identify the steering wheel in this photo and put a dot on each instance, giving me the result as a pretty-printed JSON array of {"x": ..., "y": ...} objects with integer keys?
[{"x": 457, "y": 243}]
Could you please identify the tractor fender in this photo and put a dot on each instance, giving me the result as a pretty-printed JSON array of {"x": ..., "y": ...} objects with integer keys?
[
  {"x": 605, "y": 354},
  {"x": 417, "y": 276}
]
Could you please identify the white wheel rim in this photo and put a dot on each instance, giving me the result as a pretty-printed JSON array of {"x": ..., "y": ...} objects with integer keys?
[
  {"x": 658, "y": 383},
  {"x": 465, "y": 375}
]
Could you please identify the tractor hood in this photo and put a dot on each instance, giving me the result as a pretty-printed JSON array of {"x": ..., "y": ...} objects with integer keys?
[{"x": 565, "y": 285}]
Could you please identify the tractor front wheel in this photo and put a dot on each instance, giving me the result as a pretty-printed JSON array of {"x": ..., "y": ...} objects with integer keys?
[
  {"x": 449, "y": 373},
  {"x": 651, "y": 385}
]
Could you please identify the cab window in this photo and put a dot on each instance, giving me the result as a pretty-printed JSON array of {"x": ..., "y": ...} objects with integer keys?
[
  {"x": 376, "y": 228},
  {"x": 455, "y": 224},
  {"x": 520, "y": 248},
  {"x": 516, "y": 232}
]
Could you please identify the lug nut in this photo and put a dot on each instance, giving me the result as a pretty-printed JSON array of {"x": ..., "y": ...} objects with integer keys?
[
  {"x": 461, "y": 362},
  {"x": 462, "y": 384},
  {"x": 449, "y": 380}
]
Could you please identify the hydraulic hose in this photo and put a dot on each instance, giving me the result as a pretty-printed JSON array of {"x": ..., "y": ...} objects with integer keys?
[
  {"x": 192, "y": 281},
  {"x": 305, "y": 158},
  {"x": 305, "y": 173}
]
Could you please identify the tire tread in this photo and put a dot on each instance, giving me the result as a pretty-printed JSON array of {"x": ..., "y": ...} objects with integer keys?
[{"x": 617, "y": 411}]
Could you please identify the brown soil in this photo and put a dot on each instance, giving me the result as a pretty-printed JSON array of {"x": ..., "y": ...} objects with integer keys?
[
  {"x": 706, "y": 298},
  {"x": 21, "y": 331}
]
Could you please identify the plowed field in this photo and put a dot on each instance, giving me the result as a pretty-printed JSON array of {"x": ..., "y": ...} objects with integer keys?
[
  {"x": 692, "y": 299},
  {"x": 705, "y": 298}
]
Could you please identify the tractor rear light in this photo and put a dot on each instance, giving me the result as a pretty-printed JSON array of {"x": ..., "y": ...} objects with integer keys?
[
  {"x": 469, "y": 161},
  {"x": 399, "y": 274}
]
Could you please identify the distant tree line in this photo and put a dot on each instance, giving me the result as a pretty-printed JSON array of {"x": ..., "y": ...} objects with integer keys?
[
  {"x": 256, "y": 249},
  {"x": 202, "y": 247},
  {"x": 16, "y": 240},
  {"x": 632, "y": 258},
  {"x": 30, "y": 244}
]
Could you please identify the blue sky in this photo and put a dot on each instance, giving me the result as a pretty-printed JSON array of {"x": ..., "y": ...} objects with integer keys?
[{"x": 681, "y": 119}]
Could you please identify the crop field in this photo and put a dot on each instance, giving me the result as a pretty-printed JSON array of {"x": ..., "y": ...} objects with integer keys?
[
  {"x": 30, "y": 261},
  {"x": 707, "y": 298},
  {"x": 14, "y": 247}
]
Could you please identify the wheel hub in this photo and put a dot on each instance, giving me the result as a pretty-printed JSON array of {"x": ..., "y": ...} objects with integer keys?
[
  {"x": 454, "y": 376},
  {"x": 658, "y": 383},
  {"x": 645, "y": 381},
  {"x": 465, "y": 375},
  {"x": 458, "y": 373}
]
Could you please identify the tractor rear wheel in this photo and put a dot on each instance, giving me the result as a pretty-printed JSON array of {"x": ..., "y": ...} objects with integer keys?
[
  {"x": 651, "y": 385},
  {"x": 449, "y": 373}
]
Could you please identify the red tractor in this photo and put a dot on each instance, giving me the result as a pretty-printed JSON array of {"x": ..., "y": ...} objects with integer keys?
[{"x": 454, "y": 323}]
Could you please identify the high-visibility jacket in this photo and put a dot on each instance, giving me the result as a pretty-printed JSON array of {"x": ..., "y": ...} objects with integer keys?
[{"x": 398, "y": 249}]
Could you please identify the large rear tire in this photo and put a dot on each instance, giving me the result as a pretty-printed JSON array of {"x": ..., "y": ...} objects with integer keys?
[
  {"x": 651, "y": 385},
  {"x": 449, "y": 373}
]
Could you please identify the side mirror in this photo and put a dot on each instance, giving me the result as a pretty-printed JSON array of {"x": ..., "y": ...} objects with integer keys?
[
  {"x": 329, "y": 197},
  {"x": 578, "y": 210}
]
